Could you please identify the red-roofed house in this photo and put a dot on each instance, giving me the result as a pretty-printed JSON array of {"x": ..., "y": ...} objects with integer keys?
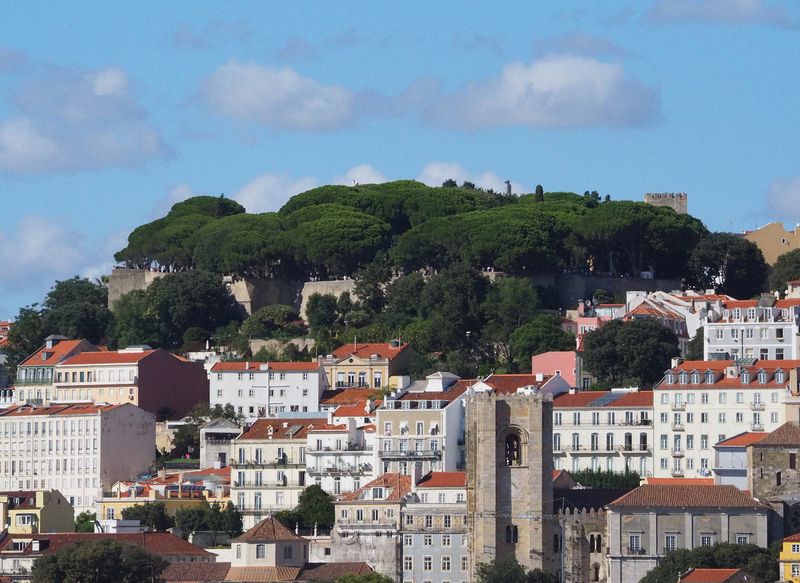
[
  {"x": 268, "y": 466},
  {"x": 651, "y": 521},
  {"x": 717, "y": 576},
  {"x": 368, "y": 365},
  {"x": 93, "y": 447},
  {"x": 36, "y": 375},
  {"x": 368, "y": 524},
  {"x": 604, "y": 430},
  {"x": 258, "y": 389},
  {"x": 700, "y": 403},
  {"x": 730, "y": 458},
  {"x": 154, "y": 380}
]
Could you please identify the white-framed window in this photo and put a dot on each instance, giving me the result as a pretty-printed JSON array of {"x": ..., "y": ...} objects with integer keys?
[
  {"x": 773, "y": 417},
  {"x": 795, "y": 569},
  {"x": 723, "y": 398},
  {"x": 427, "y": 563},
  {"x": 739, "y": 417},
  {"x": 664, "y": 398},
  {"x": 408, "y": 563},
  {"x": 446, "y": 540},
  {"x": 670, "y": 543},
  {"x": 261, "y": 551},
  {"x": 795, "y": 548},
  {"x": 742, "y": 539},
  {"x": 722, "y": 417},
  {"x": 408, "y": 540},
  {"x": 634, "y": 543},
  {"x": 446, "y": 563}
]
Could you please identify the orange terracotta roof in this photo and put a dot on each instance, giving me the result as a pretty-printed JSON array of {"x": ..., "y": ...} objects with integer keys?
[
  {"x": 679, "y": 481},
  {"x": 197, "y": 572},
  {"x": 349, "y": 396},
  {"x": 787, "y": 434},
  {"x": 332, "y": 571},
  {"x": 60, "y": 409},
  {"x": 452, "y": 393},
  {"x": 794, "y": 538},
  {"x": 160, "y": 543},
  {"x": 356, "y": 410},
  {"x": 370, "y": 428},
  {"x": 327, "y": 427},
  {"x": 262, "y": 574},
  {"x": 268, "y": 530},
  {"x": 742, "y": 439},
  {"x": 271, "y": 366},
  {"x": 709, "y": 575},
  {"x": 117, "y": 357},
  {"x": 398, "y": 484},
  {"x": 633, "y": 399},
  {"x": 443, "y": 480},
  {"x": 383, "y": 350},
  {"x": 509, "y": 383},
  {"x": 53, "y": 355},
  {"x": 281, "y": 428},
  {"x": 686, "y": 496}
]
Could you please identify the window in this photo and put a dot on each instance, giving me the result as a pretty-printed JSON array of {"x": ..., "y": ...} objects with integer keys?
[
  {"x": 408, "y": 563},
  {"x": 374, "y": 515},
  {"x": 723, "y": 398},
  {"x": 427, "y": 541},
  {"x": 722, "y": 417},
  {"x": 704, "y": 442},
  {"x": 773, "y": 417},
  {"x": 739, "y": 417},
  {"x": 706, "y": 540},
  {"x": 690, "y": 418},
  {"x": 512, "y": 534},
  {"x": 512, "y": 450},
  {"x": 445, "y": 540},
  {"x": 557, "y": 419},
  {"x": 704, "y": 398},
  {"x": 427, "y": 563},
  {"x": 261, "y": 551},
  {"x": 742, "y": 539},
  {"x": 595, "y": 418},
  {"x": 445, "y": 563},
  {"x": 447, "y": 521},
  {"x": 576, "y": 418},
  {"x": 664, "y": 418},
  {"x": 287, "y": 551},
  {"x": 664, "y": 442},
  {"x": 740, "y": 397},
  {"x": 703, "y": 417},
  {"x": 635, "y": 543},
  {"x": 238, "y": 551},
  {"x": 795, "y": 569},
  {"x": 464, "y": 563},
  {"x": 670, "y": 543},
  {"x": 428, "y": 521},
  {"x": 792, "y": 461},
  {"x": 664, "y": 398}
]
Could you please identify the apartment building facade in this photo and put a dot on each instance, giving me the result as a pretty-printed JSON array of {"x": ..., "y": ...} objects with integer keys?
[
  {"x": 700, "y": 403},
  {"x": 153, "y": 380},
  {"x": 79, "y": 449},
  {"x": 766, "y": 329},
  {"x": 653, "y": 520},
  {"x": 604, "y": 430},
  {"x": 268, "y": 466},
  {"x": 36, "y": 374},
  {"x": 434, "y": 531},
  {"x": 340, "y": 457},
  {"x": 261, "y": 389},
  {"x": 373, "y": 365}
]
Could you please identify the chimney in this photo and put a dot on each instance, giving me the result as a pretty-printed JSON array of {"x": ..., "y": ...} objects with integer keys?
[{"x": 676, "y": 361}]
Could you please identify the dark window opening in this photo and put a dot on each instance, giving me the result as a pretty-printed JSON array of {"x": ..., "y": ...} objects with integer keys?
[
  {"x": 512, "y": 450},
  {"x": 512, "y": 534}
]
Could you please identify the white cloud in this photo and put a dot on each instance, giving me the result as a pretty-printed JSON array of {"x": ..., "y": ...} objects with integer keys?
[
  {"x": 559, "y": 91},
  {"x": 67, "y": 121},
  {"x": 721, "y": 12},
  {"x": 361, "y": 174},
  {"x": 783, "y": 198},
  {"x": 39, "y": 249},
  {"x": 268, "y": 192},
  {"x": 434, "y": 173},
  {"x": 276, "y": 98}
]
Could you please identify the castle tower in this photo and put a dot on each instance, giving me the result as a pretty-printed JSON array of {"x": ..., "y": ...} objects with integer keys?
[
  {"x": 677, "y": 201},
  {"x": 509, "y": 480}
]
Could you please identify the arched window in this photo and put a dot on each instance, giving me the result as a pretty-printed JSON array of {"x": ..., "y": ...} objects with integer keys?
[
  {"x": 598, "y": 543},
  {"x": 556, "y": 544},
  {"x": 596, "y": 572},
  {"x": 512, "y": 450},
  {"x": 591, "y": 543}
]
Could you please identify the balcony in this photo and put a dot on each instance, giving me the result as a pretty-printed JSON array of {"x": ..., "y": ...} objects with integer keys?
[
  {"x": 341, "y": 470},
  {"x": 640, "y": 449},
  {"x": 677, "y": 473},
  {"x": 353, "y": 385},
  {"x": 268, "y": 463},
  {"x": 217, "y": 441},
  {"x": 677, "y": 452},
  {"x": 333, "y": 449},
  {"x": 268, "y": 484},
  {"x": 346, "y": 525},
  {"x": 756, "y": 406},
  {"x": 678, "y": 427},
  {"x": 678, "y": 406},
  {"x": 756, "y": 426},
  {"x": 635, "y": 551},
  {"x": 413, "y": 454}
]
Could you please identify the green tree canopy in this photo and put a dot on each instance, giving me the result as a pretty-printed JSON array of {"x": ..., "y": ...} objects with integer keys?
[
  {"x": 98, "y": 561},
  {"x": 629, "y": 352},
  {"x": 510, "y": 571},
  {"x": 77, "y": 308},
  {"x": 729, "y": 264},
  {"x": 24, "y": 338},
  {"x": 84, "y": 522},
  {"x": 759, "y": 561},
  {"x": 696, "y": 345},
  {"x": 541, "y": 334},
  {"x": 153, "y": 515},
  {"x": 315, "y": 507},
  {"x": 786, "y": 268},
  {"x": 606, "y": 479},
  {"x": 368, "y": 578},
  {"x": 209, "y": 517},
  {"x": 270, "y": 321}
]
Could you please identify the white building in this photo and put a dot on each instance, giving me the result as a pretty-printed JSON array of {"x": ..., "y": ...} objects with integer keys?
[
  {"x": 604, "y": 430},
  {"x": 700, "y": 403},
  {"x": 78, "y": 449},
  {"x": 766, "y": 329},
  {"x": 259, "y": 389},
  {"x": 339, "y": 458},
  {"x": 268, "y": 466},
  {"x": 730, "y": 459}
]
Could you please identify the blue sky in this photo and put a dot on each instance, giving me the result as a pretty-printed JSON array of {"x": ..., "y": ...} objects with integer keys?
[{"x": 111, "y": 112}]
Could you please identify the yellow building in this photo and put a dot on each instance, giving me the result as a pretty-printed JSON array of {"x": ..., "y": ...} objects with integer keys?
[
  {"x": 367, "y": 365},
  {"x": 774, "y": 240},
  {"x": 790, "y": 559},
  {"x": 34, "y": 512}
]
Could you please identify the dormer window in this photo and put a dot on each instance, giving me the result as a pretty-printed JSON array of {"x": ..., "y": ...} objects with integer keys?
[
  {"x": 779, "y": 377},
  {"x": 751, "y": 313},
  {"x": 762, "y": 377},
  {"x": 683, "y": 378},
  {"x": 670, "y": 379},
  {"x": 695, "y": 378},
  {"x": 377, "y": 493},
  {"x": 737, "y": 313},
  {"x": 745, "y": 377}
]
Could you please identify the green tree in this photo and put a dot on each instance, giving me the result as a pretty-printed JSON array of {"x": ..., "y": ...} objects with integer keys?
[
  {"x": 629, "y": 352},
  {"x": 321, "y": 314},
  {"x": 269, "y": 321},
  {"x": 542, "y": 334},
  {"x": 98, "y": 561},
  {"x": 179, "y": 301},
  {"x": 729, "y": 264},
  {"x": 538, "y": 195},
  {"x": 153, "y": 515},
  {"x": 84, "y": 522},
  {"x": 786, "y": 268},
  {"x": 25, "y": 337},
  {"x": 133, "y": 322},
  {"x": 606, "y": 479},
  {"x": 696, "y": 345},
  {"x": 759, "y": 561},
  {"x": 315, "y": 506},
  {"x": 510, "y": 571},
  {"x": 510, "y": 303},
  {"x": 209, "y": 517}
]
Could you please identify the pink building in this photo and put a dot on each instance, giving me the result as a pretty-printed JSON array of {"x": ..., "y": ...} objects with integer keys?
[{"x": 567, "y": 363}]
